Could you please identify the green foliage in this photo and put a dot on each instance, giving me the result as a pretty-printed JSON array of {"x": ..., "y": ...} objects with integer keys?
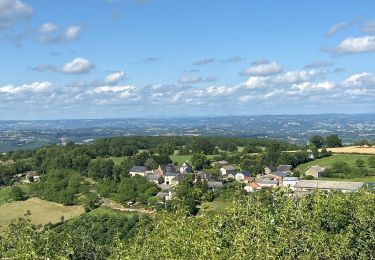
[
  {"x": 199, "y": 161},
  {"x": 333, "y": 141},
  {"x": 135, "y": 188},
  {"x": 101, "y": 169},
  {"x": 359, "y": 163},
  {"x": 371, "y": 162},
  {"x": 91, "y": 201},
  {"x": 317, "y": 141},
  {"x": 60, "y": 186},
  {"x": 16, "y": 193},
  {"x": 264, "y": 226}
]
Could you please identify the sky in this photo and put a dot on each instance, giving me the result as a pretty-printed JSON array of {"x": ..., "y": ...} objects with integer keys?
[{"x": 157, "y": 58}]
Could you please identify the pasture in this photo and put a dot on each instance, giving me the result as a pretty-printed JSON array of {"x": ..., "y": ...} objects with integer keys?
[
  {"x": 353, "y": 149},
  {"x": 42, "y": 212}
]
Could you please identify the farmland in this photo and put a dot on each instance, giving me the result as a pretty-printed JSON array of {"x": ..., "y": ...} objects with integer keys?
[
  {"x": 353, "y": 149},
  {"x": 42, "y": 212}
]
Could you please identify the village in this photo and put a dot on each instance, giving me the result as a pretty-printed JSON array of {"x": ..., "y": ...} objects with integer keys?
[{"x": 166, "y": 177}]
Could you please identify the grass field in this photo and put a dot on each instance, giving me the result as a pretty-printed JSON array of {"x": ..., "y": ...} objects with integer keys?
[
  {"x": 215, "y": 207},
  {"x": 42, "y": 212},
  {"x": 353, "y": 149},
  {"x": 328, "y": 161},
  {"x": 180, "y": 159},
  {"x": 5, "y": 193}
]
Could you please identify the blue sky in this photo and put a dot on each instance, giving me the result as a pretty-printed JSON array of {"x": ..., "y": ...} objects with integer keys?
[{"x": 155, "y": 58}]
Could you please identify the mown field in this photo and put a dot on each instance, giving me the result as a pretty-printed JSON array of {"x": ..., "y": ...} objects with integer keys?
[
  {"x": 42, "y": 212},
  {"x": 328, "y": 161},
  {"x": 353, "y": 149}
]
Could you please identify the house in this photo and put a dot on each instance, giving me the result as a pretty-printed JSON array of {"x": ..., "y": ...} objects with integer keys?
[
  {"x": 172, "y": 178},
  {"x": 219, "y": 163},
  {"x": 269, "y": 169},
  {"x": 137, "y": 170},
  {"x": 316, "y": 171},
  {"x": 164, "y": 195},
  {"x": 214, "y": 184},
  {"x": 242, "y": 176},
  {"x": 163, "y": 169},
  {"x": 252, "y": 187},
  {"x": 266, "y": 182},
  {"x": 155, "y": 178},
  {"x": 186, "y": 168},
  {"x": 228, "y": 170},
  {"x": 203, "y": 176},
  {"x": 284, "y": 168},
  {"x": 344, "y": 186},
  {"x": 30, "y": 176},
  {"x": 290, "y": 182},
  {"x": 278, "y": 175}
]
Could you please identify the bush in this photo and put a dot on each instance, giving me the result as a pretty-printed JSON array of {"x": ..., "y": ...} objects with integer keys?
[{"x": 16, "y": 193}]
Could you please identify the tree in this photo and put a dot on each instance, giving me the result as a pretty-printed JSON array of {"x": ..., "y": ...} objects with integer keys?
[
  {"x": 317, "y": 141},
  {"x": 199, "y": 161},
  {"x": 362, "y": 142},
  {"x": 359, "y": 163},
  {"x": 101, "y": 168},
  {"x": 333, "y": 141},
  {"x": 91, "y": 201},
  {"x": 16, "y": 193},
  {"x": 340, "y": 167},
  {"x": 151, "y": 164}
]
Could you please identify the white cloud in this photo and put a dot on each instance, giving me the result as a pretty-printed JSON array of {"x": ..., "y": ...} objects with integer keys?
[
  {"x": 359, "y": 80},
  {"x": 76, "y": 66},
  {"x": 296, "y": 76},
  {"x": 36, "y": 87},
  {"x": 255, "y": 82},
  {"x": 114, "y": 77},
  {"x": 113, "y": 89},
  {"x": 190, "y": 79},
  {"x": 220, "y": 90},
  {"x": 47, "y": 28},
  {"x": 356, "y": 45},
  {"x": 12, "y": 11},
  {"x": 338, "y": 27},
  {"x": 263, "y": 69},
  {"x": 307, "y": 86},
  {"x": 71, "y": 33}
]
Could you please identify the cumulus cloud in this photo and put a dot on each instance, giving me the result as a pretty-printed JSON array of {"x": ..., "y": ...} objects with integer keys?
[
  {"x": 363, "y": 79},
  {"x": 113, "y": 89},
  {"x": 296, "y": 76},
  {"x": 255, "y": 82},
  {"x": 355, "y": 45},
  {"x": 36, "y": 87},
  {"x": 12, "y": 11},
  {"x": 114, "y": 77},
  {"x": 76, "y": 66},
  {"x": 47, "y": 35},
  {"x": 47, "y": 28},
  {"x": 338, "y": 27},
  {"x": 307, "y": 86},
  {"x": 204, "y": 62},
  {"x": 262, "y": 69}
]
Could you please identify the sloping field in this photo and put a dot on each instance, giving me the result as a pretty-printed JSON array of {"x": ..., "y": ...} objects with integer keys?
[
  {"x": 42, "y": 212},
  {"x": 353, "y": 149}
]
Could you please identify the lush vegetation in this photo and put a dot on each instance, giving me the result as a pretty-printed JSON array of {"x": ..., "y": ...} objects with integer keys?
[{"x": 268, "y": 224}]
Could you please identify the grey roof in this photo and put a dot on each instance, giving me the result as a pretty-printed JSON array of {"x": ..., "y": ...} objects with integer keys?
[
  {"x": 267, "y": 181},
  {"x": 317, "y": 168},
  {"x": 172, "y": 174},
  {"x": 329, "y": 185},
  {"x": 162, "y": 194},
  {"x": 280, "y": 174},
  {"x": 138, "y": 169},
  {"x": 245, "y": 173},
  {"x": 284, "y": 167},
  {"x": 228, "y": 167},
  {"x": 153, "y": 177},
  {"x": 272, "y": 168},
  {"x": 290, "y": 179}
]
